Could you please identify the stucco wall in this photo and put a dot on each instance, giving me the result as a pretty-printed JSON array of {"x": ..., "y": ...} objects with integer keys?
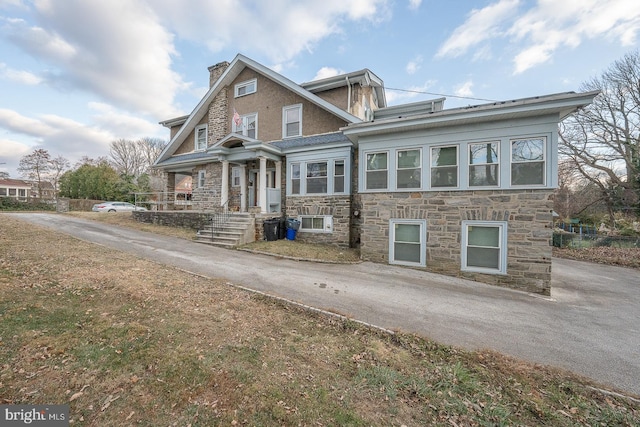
[{"x": 528, "y": 214}]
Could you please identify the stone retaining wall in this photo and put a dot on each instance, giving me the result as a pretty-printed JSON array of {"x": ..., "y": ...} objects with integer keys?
[
  {"x": 528, "y": 214},
  {"x": 182, "y": 219}
]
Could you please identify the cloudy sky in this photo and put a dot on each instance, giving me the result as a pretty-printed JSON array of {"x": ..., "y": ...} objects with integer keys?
[{"x": 78, "y": 74}]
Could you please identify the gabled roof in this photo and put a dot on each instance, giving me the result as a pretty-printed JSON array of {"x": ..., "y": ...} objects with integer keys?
[
  {"x": 239, "y": 63},
  {"x": 10, "y": 182},
  {"x": 561, "y": 104},
  {"x": 364, "y": 77}
]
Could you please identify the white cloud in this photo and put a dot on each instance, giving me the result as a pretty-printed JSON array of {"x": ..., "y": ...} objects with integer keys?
[
  {"x": 481, "y": 25},
  {"x": 545, "y": 27},
  {"x": 19, "y": 76},
  {"x": 395, "y": 97},
  {"x": 279, "y": 29},
  {"x": 414, "y": 4},
  {"x": 414, "y": 65},
  {"x": 326, "y": 72},
  {"x": 464, "y": 89},
  {"x": 117, "y": 49}
]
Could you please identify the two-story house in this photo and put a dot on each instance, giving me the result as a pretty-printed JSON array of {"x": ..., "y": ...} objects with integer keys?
[{"x": 465, "y": 191}]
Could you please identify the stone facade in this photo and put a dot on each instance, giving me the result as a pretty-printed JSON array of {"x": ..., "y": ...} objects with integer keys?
[
  {"x": 339, "y": 207},
  {"x": 528, "y": 214},
  {"x": 208, "y": 196},
  {"x": 181, "y": 219}
]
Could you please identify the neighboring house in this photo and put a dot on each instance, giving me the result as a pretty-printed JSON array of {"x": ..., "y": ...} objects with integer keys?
[
  {"x": 465, "y": 192},
  {"x": 16, "y": 189}
]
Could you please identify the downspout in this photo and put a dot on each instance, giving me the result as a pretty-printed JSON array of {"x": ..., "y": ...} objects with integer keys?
[{"x": 349, "y": 95}]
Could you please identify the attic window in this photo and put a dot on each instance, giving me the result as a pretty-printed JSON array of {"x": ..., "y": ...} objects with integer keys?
[{"x": 246, "y": 88}]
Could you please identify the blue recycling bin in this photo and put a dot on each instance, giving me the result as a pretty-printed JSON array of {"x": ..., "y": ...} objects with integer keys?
[{"x": 291, "y": 234}]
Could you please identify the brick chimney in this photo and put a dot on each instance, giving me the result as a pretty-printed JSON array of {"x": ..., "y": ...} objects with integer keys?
[{"x": 215, "y": 71}]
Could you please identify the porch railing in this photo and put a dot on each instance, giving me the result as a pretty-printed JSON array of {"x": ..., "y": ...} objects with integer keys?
[{"x": 220, "y": 218}]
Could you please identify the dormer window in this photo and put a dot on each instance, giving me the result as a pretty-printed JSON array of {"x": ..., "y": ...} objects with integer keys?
[
  {"x": 201, "y": 138},
  {"x": 246, "y": 88}
]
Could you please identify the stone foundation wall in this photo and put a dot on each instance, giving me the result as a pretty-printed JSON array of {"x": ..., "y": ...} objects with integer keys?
[
  {"x": 528, "y": 214},
  {"x": 339, "y": 207}
]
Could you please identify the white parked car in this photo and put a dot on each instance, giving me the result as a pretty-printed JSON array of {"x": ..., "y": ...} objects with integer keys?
[{"x": 116, "y": 207}]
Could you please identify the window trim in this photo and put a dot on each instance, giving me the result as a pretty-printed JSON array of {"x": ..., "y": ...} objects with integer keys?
[
  {"x": 245, "y": 84},
  {"x": 423, "y": 241},
  {"x": 285, "y": 123},
  {"x": 197, "y": 144},
  {"x": 327, "y": 224},
  {"x": 545, "y": 148},
  {"x": 502, "y": 241},
  {"x": 470, "y": 165}
]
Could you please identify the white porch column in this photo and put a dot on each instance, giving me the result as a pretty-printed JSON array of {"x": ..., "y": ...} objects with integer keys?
[
  {"x": 263, "y": 185},
  {"x": 224, "y": 191},
  {"x": 243, "y": 188},
  {"x": 278, "y": 175}
]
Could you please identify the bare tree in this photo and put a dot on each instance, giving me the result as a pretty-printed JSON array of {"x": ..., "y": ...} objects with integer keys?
[
  {"x": 134, "y": 158},
  {"x": 603, "y": 139},
  {"x": 4, "y": 175},
  {"x": 58, "y": 166},
  {"x": 36, "y": 167}
]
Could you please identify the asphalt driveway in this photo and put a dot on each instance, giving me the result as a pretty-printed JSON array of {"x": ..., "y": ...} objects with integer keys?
[{"x": 590, "y": 324}]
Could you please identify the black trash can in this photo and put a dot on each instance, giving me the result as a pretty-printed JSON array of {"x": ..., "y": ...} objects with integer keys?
[
  {"x": 271, "y": 229},
  {"x": 282, "y": 228}
]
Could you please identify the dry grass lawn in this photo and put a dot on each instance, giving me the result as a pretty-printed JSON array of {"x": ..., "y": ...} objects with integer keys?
[{"x": 126, "y": 341}]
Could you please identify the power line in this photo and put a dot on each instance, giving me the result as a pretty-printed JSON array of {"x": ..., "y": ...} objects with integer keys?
[{"x": 441, "y": 94}]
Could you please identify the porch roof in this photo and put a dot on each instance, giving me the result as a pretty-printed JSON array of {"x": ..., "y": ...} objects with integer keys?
[{"x": 291, "y": 144}]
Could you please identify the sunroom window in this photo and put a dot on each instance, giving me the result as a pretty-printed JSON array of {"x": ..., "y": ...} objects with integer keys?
[
  {"x": 409, "y": 169},
  {"x": 338, "y": 176},
  {"x": 484, "y": 246},
  {"x": 484, "y": 164},
  {"x": 528, "y": 161},
  {"x": 316, "y": 178},
  {"x": 444, "y": 166},
  {"x": 377, "y": 170},
  {"x": 295, "y": 178}
]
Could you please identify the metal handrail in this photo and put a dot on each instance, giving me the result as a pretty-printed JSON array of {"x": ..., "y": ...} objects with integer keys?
[{"x": 219, "y": 219}]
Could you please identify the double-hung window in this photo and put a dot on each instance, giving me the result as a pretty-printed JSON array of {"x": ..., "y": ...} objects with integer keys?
[
  {"x": 317, "y": 177},
  {"x": 528, "y": 161},
  {"x": 201, "y": 178},
  {"x": 235, "y": 176},
  {"x": 484, "y": 164},
  {"x": 408, "y": 168},
  {"x": 246, "y": 88},
  {"x": 444, "y": 166},
  {"x": 377, "y": 171},
  {"x": 484, "y": 246},
  {"x": 292, "y": 121},
  {"x": 407, "y": 242},
  {"x": 201, "y": 137},
  {"x": 247, "y": 126},
  {"x": 338, "y": 176},
  {"x": 295, "y": 178}
]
